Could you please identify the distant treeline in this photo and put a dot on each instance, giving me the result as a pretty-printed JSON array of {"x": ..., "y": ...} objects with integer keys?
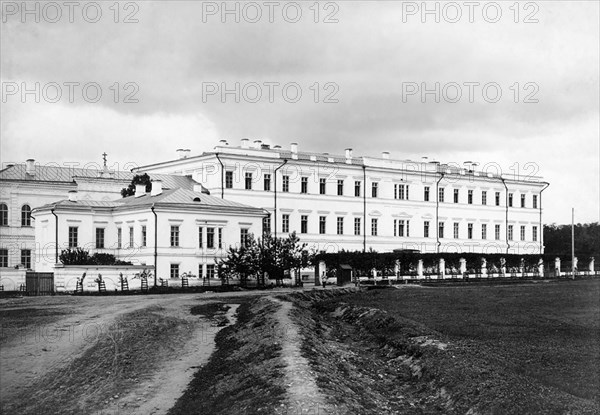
[{"x": 557, "y": 239}]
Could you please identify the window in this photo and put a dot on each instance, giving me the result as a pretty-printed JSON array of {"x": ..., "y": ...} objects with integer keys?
[
  {"x": 356, "y": 226},
  {"x": 210, "y": 238},
  {"x": 484, "y": 197},
  {"x": 144, "y": 233},
  {"x": 455, "y": 195},
  {"x": 522, "y": 233},
  {"x": 200, "y": 271},
  {"x": 402, "y": 227},
  {"x": 131, "y": 236},
  {"x": 229, "y": 180},
  {"x": 73, "y": 236},
  {"x": 483, "y": 231},
  {"x": 456, "y": 230},
  {"x": 266, "y": 182},
  {"x": 374, "y": 188},
  {"x": 244, "y": 237},
  {"x": 4, "y": 258},
  {"x": 340, "y": 225},
  {"x": 25, "y": 215},
  {"x": 200, "y": 237},
  {"x": 534, "y": 201},
  {"x": 470, "y": 197},
  {"x": 340, "y": 188},
  {"x": 441, "y": 229},
  {"x": 357, "y": 188},
  {"x": 441, "y": 194},
  {"x": 174, "y": 271},
  {"x": 510, "y": 200},
  {"x": 510, "y": 232},
  {"x": 470, "y": 231},
  {"x": 322, "y": 224},
  {"x": 248, "y": 181},
  {"x": 322, "y": 183},
  {"x": 174, "y": 235},
  {"x": 266, "y": 225},
  {"x": 285, "y": 186},
  {"x": 534, "y": 236},
  {"x": 26, "y": 258},
  {"x": 119, "y": 238},
  {"x": 497, "y": 198},
  {"x": 3, "y": 214},
  {"x": 99, "y": 238},
  {"x": 285, "y": 223},
  {"x": 374, "y": 227},
  {"x": 522, "y": 201},
  {"x": 426, "y": 194},
  {"x": 426, "y": 229},
  {"x": 220, "y": 237},
  {"x": 400, "y": 191},
  {"x": 304, "y": 185},
  {"x": 210, "y": 271},
  {"x": 497, "y": 232},
  {"x": 304, "y": 224}
]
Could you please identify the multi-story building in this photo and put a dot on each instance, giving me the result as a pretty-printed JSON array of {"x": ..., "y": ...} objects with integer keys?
[
  {"x": 175, "y": 230},
  {"x": 24, "y": 187},
  {"x": 336, "y": 202}
]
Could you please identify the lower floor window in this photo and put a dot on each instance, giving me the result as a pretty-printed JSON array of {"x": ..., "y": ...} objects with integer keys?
[
  {"x": 174, "y": 270},
  {"x": 4, "y": 258},
  {"x": 210, "y": 271},
  {"x": 26, "y": 258}
]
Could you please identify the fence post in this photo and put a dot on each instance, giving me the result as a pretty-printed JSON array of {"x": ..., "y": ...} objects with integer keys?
[
  {"x": 483, "y": 268},
  {"x": 463, "y": 267},
  {"x": 397, "y": 268},
  {"x": 557, "y": 266},
  {"x": 591, "y": 266},
  {"x": 442, "y": 268},
  {"x": 420, "y": 269},
  {"x": 502, "y": 267}
]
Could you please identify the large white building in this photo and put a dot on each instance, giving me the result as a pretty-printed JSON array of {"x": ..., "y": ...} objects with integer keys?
[
  {"x": 346, "y": 202},
  {"x": 174, "y": 230}
]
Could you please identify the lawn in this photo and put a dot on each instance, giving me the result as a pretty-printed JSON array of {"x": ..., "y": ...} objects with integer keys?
[{"x": 549, "y": 332}]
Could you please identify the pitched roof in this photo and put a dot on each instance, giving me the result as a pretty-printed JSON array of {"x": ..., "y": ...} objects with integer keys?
[
  {"x": 49, "y": 173},
  {"x": 181, "y": 198}
]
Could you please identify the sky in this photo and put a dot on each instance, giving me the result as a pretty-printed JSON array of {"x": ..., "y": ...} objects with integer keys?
[{"x": 499, "y": 83}]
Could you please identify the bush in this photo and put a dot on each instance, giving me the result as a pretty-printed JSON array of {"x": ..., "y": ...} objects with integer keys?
[{"x": 79, "y": 256}]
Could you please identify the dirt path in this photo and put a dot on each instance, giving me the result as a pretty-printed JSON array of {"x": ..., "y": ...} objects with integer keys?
[
  {"x": 157, "y": 395},
  {"x": 304, "y": 395}
]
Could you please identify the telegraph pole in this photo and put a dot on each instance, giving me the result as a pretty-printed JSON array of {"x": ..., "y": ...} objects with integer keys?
[{"x": 573, "y": 243}]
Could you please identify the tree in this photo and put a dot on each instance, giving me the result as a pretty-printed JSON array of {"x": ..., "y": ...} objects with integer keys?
[
  {"x": 273, "y": 256},
  {"x": 137, "y": 179},
  {"x": 557, "y": 239}
]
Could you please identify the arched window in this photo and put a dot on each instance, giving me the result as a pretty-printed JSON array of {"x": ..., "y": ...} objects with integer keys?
[
  {"x": 25, "y": 215},
  {"x": 3, "y": 214}
]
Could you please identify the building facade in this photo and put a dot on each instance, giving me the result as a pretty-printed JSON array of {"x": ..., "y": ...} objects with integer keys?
[
  {"x": 175, "y": 230},
  {"x": 336, "y": 202},
  {"x": 26, "y": 186}
]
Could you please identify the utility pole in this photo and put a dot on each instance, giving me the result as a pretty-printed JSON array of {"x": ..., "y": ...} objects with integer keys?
[{"x": 573, "y": 243}]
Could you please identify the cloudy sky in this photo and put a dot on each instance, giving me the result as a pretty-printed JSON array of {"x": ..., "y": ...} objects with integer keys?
[{"x": 492, "y": 82}]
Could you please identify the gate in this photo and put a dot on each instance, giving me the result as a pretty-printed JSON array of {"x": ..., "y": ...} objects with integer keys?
[{"x": 39, "y": 283}]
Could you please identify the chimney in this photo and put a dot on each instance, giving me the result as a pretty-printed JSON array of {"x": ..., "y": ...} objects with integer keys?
[
  {"x": 294, "y": 148},
  {"x": 72, "y": 195},
  {"x": 385, "y": 155},
  {"x": 183, "y": 153},
  {"x": 257, "y": 144},
  {"x": 140, "y": 190},
  {"x": 156, "y": 188},
  {"x": 276, "y": 147},
  {"x": 348, "y": 154},
  {"x": 30, "y": 167},
  {"x": 245, "y": 142},
  {"x": 223, "y": 143}
]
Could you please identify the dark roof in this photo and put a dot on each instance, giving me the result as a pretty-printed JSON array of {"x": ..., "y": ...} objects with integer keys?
[
  {"x": 49, "y": 173},
  {"x": 182, "y": 198}
]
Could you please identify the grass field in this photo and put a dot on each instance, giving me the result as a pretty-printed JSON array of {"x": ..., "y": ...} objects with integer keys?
[{"x": 546, "y": 333}]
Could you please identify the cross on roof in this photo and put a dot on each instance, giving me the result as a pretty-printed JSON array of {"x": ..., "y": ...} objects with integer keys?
[{"x": 104, "y": 158}]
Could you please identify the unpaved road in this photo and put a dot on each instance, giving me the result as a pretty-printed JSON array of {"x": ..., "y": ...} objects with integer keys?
[{"x": 43, "y": 335}]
